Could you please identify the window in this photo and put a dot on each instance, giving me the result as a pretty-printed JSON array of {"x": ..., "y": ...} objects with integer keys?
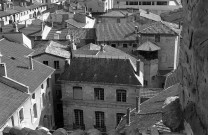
[
  {"x": 56, "y": 64},
  {"x": 134, "y": 45},
  {"x": 56, "y": 78},
  {"x": 77, "y": 92},
  {"x": 21, "y": 115},
  {"x": 118, "y": 20},
  {"x": 58, "y": 94},
  {"x": 35, "y": 114},
  {"x": 146, "y": 3},
  {"x": 78, "y": 114},
  {"x": 113, "y": 45},
  {"x": 99, "y": 119},
  {"x": 43, "y": 99},
  {"x": 12, "y": 119},
  {"x": 118, "y": 117},
  {"x": 157, "y": 38},
  {"x": 145, "y": 82},
  {"x": 143, "y": 99},
  {"x": 49, "y": 96},
  {"x": 121, "y": 95},
  {"x": 42, "y": 86},
  {"x": 33, "y": 96},
  {"x": 124, "y": 45},
  {"x": 48, "y": 82},
  {"x": 45, "y": 62},
  {"x": 162, "y": 3},
  {"x": 99, "y": 93}
]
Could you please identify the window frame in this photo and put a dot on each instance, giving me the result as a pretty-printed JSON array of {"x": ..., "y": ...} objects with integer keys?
[
  {"x": 35, "y": 111},
  {"x": 99, "y": 94},
  {"x": 118, "y": 117},
  {"x": 56, "y": 64},
  {"x": 99, "y": 119},
  {"x": 21, "y": 119},
  {"x": 125, "y": 44},
  {"x": 78, "y": 117},
  {"x": 121, "y": 95}
]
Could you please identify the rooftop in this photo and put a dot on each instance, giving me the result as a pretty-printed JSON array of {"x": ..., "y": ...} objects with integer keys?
[
  {"x": 150, "y": 113},
  {"x": 53, "y": 48},
  {"x": 126, "y": 31},
  {"x": 10, "y": 100},
  {"x": 148, "y": 46},
  {"x": 17, "y": 63},
  {"x": 100, "y": 70}
]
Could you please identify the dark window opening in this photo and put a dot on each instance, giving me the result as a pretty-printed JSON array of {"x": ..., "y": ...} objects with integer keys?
[
  {"x": 121, "y": 95},
  {"x": 99, "y": 119},
  {"x": 99, "y": 93}
]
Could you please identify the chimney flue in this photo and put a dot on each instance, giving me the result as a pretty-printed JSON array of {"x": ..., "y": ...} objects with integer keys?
[
  {"x": 128, "y": 117},
  {"x": 30, "y": 62}
]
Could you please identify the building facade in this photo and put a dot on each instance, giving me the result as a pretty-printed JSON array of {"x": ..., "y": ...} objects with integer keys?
[
  {"x": 29, "y": 102},
  {"x": 97, "y": 98}
]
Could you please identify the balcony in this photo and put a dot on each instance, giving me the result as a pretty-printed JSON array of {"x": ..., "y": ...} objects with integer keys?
[
  {"x": 76, "y": 126},
  {"x": 101, "y": 128}
]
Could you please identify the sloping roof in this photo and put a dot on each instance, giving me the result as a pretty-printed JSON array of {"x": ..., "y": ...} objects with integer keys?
[
  {"x": 115, "y": 13},
  {"x": 126, "y": 31},
  {"x": 53, "y": 48},
  {"x": 100, "y": 70},
  {"x": 172, "y": 79},
  {"x": 109, "y": 52},
  {"x": 78, "y": 33},
  {"x": 148, "y": 46},
  {"x": 17, "y": 63},
  {"x": 74, "y": 23},
  {"x": 174, "y": 16},
  {"x": 150, "y": 113},
  {"x": 149, "y": 15},
  {"x": 10, "y": 100}
]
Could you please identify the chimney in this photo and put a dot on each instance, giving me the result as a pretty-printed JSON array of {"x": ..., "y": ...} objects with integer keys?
[
  {"x": 102, "y": 48},
  {"x": 73, "y": 46},
  {"x": 138, "y": 104},
  {"x": 128, "y": 117},
  {"x": 30, "y": 62},
  {"x": 147, "y": 10},
  {"x": 26, "y": 24},
  {"x": 136, "y": 29},
  {"x": 21, "y": 4},
  {"x": 42, "y": 25},
  {"x": 15, "y": 27},
  {"x": 3, "y": 71},
  {"x": 138, "y": 67}
]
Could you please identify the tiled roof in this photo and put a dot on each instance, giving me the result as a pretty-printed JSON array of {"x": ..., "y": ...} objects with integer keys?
[
  {"x": 100, "y": 70},
  {"x": 78, "y": 33},
  {"x": 74, "y": 23},
  {"x": 109, "y": 52},
  {"x": 53, "y": 48},
  {"x": 10, "y": 100},
  {"x": 150, "y": 113},
  {"x": 14, "y": 55},
  {"x": 172, "y": 79},
  {"x": 115, "y": 13},
  {"x": 148, "y": 46},
  {"x": 175, "y": 16},
  {"x": 126, "y": 31}
]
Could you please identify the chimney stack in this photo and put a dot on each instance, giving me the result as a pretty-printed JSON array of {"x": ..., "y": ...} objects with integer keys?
[
  {"x": 147, "y": 10},
  {"x": 138, "y": 104},
  {"x": 128, "y": 117},
  {"x": 26, "y": 24},
  {"x": 102, "y": 47},
  {"x": 73, "y": 46},
  {"x": 138, "y": 67},
  {"x": 30, "y": 62},
  {"x": 15, "y": 27},
  {"x": 3, "y": 71}
]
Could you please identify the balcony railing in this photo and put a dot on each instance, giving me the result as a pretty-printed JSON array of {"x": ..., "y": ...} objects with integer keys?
[
  {"x": 101, "y": 128},
  {"x": 76, "y": 126}
]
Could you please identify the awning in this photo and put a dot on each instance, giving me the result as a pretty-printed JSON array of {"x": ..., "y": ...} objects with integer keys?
[{"x": 148, "y": 46}]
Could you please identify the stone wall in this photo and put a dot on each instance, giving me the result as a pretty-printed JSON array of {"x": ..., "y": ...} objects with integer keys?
[{"x": 194, "y": 66}]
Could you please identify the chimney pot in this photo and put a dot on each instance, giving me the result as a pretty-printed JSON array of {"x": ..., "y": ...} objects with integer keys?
[
  {"x": 128, "y": 117},
  {"x": 30, "y": 62}
]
